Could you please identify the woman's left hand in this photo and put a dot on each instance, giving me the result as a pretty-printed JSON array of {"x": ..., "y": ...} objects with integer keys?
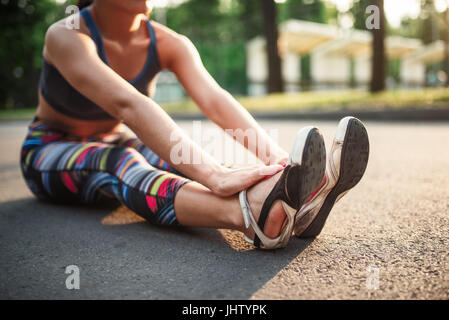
[
  {"x": 282, "y": 161},
  {"x": 228, "y": 181}
]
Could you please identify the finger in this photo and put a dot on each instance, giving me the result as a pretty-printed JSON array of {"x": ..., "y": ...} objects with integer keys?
[
  {"x": 260, "y": 173},
  {"x": 269, "y": 170}
]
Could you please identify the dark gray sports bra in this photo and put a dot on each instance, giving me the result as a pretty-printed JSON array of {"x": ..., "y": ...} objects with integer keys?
[{"x": 65, "y": 99}]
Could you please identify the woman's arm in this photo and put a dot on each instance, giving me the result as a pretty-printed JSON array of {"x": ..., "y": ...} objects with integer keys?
[
  {"x": 216, "y": 103},
  {"x": 74, "y": 55}
]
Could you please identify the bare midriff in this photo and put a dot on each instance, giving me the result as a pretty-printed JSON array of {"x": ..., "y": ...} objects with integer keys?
[{"x": 73, "y": 126}]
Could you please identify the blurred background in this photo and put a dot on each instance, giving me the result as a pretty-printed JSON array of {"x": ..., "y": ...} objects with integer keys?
[{"x": 270, "y": 54}]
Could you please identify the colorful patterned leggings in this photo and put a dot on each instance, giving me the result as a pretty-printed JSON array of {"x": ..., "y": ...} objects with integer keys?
[{"x": 67, "y": 169}]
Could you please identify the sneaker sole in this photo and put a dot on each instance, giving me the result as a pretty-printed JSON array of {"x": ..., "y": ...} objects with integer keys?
[
  {"x": 299, "y": 185},
  {"x": 354, "y": 159},
  {"x": 307, "y": 166}
]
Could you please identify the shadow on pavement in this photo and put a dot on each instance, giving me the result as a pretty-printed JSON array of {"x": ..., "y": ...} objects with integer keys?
[{"x": 122, "y": 256}]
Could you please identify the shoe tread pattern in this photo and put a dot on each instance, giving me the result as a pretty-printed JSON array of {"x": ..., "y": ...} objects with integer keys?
[
  {"x": 354, "y": 159},
  {"x": 298, "y": 180}
]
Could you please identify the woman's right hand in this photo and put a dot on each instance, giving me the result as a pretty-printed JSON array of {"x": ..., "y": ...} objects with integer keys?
[{"x": 227, "y": 182}]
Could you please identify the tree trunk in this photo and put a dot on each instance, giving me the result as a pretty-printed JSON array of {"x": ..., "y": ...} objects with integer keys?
[
  {"x": 379, "y": 56},
  {"x": 275, "y": 83},
  {"x": 446, "y": 45}
]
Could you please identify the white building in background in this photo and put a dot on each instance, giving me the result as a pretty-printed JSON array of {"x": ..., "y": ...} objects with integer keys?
[
  {"x": 337, "y": 57},
  {"x": 168, "y": 88}
]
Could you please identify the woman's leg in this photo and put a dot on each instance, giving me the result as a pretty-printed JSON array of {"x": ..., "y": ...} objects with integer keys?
[
  {"x": 131, "y": 141},
  {"x": 195, "y": 205},
  {"x": 66, "y": 170},
  {"x": 193, "y": 202},
  {"x": 70, "y": 171}
]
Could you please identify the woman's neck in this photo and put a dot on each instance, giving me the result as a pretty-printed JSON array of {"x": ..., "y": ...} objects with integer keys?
[{"x": 115, "y": 23}]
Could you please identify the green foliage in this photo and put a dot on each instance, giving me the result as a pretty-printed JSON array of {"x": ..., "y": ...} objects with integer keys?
[
  {"x": 189, "y": 18},
  {"x": 306, "y": 72},
  {"x": 394, "y": 70},
  {"x": 410, "y": 28},
  {"x": 226, "y": 63},
  {"x": 358, "y": 11},
  {"x": 309, "y": 10},
  {"x": 23, "y": 25},
  {"x": 428, "y": 25},
  {"x": 218, "y": 30},
  {"x": 250, "y": 17},
  {"x": 331, "y": 13}
]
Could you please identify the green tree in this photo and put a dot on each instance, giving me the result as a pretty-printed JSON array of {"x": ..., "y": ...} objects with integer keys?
[
  {"x": 379, "y": 60},
  {"x": 218, "y": 33},
  {"x": 23, "y": 24},
  {"x": 250, "y": 18},
  {"x": 410, "y": 28},
  {"x": 445, "y": 37},
  {"x": 192, "y": 18},
  {"x": 358, "y": 12},
  {"x": 308, "y": 10},
  {"x": 429, "y": 30},
  {"x": 269, "y": 11}
]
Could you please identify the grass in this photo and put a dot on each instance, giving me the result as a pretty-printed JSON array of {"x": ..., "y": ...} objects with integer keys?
[
  {"x": 308, "y": 101},
  {"x": 334, "y": 100},
  {"x": 17, "y": 114}
]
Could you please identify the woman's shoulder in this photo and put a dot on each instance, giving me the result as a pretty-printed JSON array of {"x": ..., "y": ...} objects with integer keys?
[
  {"x": 65, "y": 33},
  {"x": 169, "y": 43},
  {"x": 70, "y": 24},
  {"x": 166, "y": 36}
]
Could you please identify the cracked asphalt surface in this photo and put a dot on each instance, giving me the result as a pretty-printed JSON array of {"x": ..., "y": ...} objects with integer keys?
[{"x": 394, "y": 224}]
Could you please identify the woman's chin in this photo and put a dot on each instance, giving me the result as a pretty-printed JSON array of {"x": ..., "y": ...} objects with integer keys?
[
  {"x": 144, "y": 8},
  {"x": 136, "y": 6}
]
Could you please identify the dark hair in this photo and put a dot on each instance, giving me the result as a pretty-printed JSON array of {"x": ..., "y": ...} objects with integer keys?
[{"x": 84, "y": 3}]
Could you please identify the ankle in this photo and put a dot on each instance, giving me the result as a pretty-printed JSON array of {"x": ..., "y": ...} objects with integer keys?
[{"x": 234, "y": 216}]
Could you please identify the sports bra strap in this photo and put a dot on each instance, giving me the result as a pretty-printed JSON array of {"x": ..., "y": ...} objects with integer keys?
[
  {"x": 152, "y": 35},
  {"x": 94, "y": 33}
]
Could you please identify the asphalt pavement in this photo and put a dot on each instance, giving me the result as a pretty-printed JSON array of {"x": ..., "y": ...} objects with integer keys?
[{"x": 387, "y": 239}]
